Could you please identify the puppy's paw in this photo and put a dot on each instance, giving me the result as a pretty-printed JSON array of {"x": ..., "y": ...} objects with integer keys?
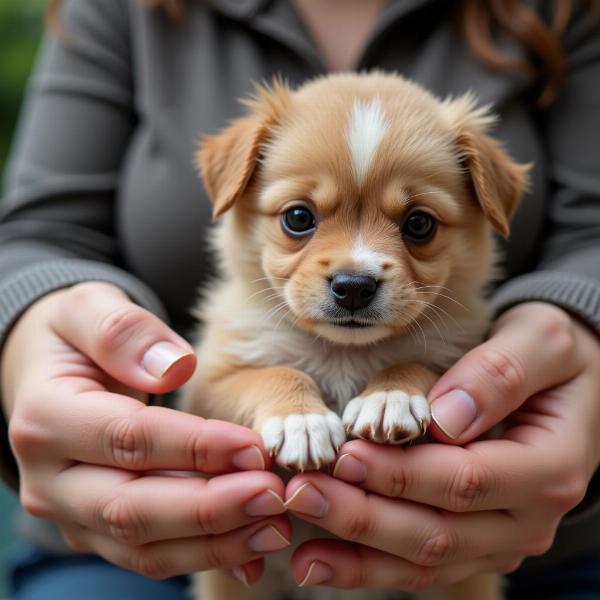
[
  {"x": 302, "y": 442},
  {"x": 391, "y": 417}
]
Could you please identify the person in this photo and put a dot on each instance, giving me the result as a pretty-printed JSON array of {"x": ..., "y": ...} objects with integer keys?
[{"x": 102, "y": 253}]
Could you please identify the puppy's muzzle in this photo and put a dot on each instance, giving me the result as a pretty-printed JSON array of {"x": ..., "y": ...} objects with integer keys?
[{"x": 353, "y": 291}]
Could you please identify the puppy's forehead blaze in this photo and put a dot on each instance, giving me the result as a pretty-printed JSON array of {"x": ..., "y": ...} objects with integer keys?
[{"x": 366, "y": 129}]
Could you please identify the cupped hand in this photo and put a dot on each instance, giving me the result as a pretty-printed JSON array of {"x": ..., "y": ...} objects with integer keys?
[
  {"x": 410, "y": 517},
  {"x": 96, "y": 459}
]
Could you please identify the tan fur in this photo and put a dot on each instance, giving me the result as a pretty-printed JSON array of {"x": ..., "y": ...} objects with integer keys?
[{"x": 266, "y": 349}]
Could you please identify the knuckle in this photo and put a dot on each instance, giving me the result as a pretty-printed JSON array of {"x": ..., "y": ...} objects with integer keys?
[
  {"x": 216, "y": 555},
  {"x": 507, "y": 566},
  {"x": 119, "y": 326},
  {"x": 397, "y": 482},
  {"x": 568, "y": 491},
  {"x": 128, "y": 443},
  {"x": 149, "y": 564},
  {"x": 26, "y": 436},
  {"x": 73, "y": 542},
  {"x": 557, "y": 330},
  {"x": 359, "y": 525},
  {"x": 197, "y": 451},
  {"x": 438, "y": 548},
  {"x": 539, "y": 546},
  {"x": 358, "y": 577},
  {"x": 122, "y": 520},
  {"x": 422, "y": 578},
  {"x": 504, "y": 369},
  {"x": 208, "y": 518},
  {"x": 34, "y": 503},
  {"x": 469, "y": 486}
]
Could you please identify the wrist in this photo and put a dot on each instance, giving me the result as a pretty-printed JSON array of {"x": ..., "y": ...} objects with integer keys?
[{"x": 19, "y": 343}]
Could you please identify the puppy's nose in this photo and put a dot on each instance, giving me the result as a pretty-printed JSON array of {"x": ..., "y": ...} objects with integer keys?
[{"x": 353, "y": 291}]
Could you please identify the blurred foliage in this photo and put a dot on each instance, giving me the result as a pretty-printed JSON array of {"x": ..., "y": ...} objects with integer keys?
[{"x": 21, "y": 24}]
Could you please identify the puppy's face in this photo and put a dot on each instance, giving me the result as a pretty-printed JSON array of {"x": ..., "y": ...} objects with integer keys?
[{"x": 365, "y": 203}]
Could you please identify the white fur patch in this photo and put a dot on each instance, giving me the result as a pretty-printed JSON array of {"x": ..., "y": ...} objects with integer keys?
[
  {"x": 366, "y": 259},
  {"x": 303, "y": 441},
  {"x": 387, "y": 417},
  {"x": 364, "y": 134}
]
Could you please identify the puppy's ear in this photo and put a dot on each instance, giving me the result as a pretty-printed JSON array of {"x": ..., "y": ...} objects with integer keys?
[
  {"x": 497, "y": 180},
  {"x": 228, "y": 160}
]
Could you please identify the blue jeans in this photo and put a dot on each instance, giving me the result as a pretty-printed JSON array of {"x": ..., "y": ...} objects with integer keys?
[{"x": 36, "y": 576}]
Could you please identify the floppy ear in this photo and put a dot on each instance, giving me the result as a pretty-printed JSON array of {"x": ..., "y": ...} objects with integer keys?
[
  {"x": 228, "y": 160},
  {"x": 497, "y": 180}
]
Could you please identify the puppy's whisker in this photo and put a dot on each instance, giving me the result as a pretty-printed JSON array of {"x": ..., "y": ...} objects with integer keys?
[
  {"x": 424, "y": 314},
  {"x": 439, "y": 309},
  {"x": 269, "y": 289},
  {"x": 271, "y": 297},
  {"x": 438, "y": 312},
  {"x": 283, "y": 316},
  {"x": 419, "y": 291},
  {"x": 275, "y": 310},
  {"x": 269, "y": 279},
  {"x": 422, "y": 335},
  {"x": 419, "y": 285}
]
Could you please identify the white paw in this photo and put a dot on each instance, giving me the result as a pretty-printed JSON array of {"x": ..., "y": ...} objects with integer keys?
[
  {"x": 387, "y": 417},
  {"x": 303, "y": 442}
]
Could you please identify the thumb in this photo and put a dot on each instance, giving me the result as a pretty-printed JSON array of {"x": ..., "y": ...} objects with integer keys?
[
  {"x": 531, "y": 349},
  {"x": 125, "y": 340}
]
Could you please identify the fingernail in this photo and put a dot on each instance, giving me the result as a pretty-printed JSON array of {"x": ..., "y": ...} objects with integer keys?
[
  {"x": 249, "y": 459},
  {"x": 308, "y": 500},
  {"x": 350, "y": 469},
  {"x": 240, "y": 575},
  {"x": 159, "y": 358},
  {"x": 267, "y": 539},
  {"x": 317, "y": 573},
  {"x": 454, "y": 412},
  {"x": 265, "y": 504}
]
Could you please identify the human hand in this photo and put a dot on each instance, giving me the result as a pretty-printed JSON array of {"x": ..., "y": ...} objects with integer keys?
[
  {"x": 436, "y": 514},
  {"x": 95, "y": 459}
]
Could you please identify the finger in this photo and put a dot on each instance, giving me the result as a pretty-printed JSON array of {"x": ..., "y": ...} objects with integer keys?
[
  {"x": 449, "y": 477},
  {"x": 159, "y": 560},
  {"x": 530, "y": 349},
  {"x": 249, "y": 573},
  {"x": 138, "y": 510},
  {"x": 114, "y": 430},
  {"x": 343, "y": 565},
  {"x": 125, "y": 340},
  {"x": 412, "y": 531}
]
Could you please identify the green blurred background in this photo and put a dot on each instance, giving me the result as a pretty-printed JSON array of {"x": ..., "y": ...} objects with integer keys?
[{"x": 21, "y": 24}]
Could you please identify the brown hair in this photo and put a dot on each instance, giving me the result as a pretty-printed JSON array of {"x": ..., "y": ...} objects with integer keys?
[{"x": 480, "y": 22}]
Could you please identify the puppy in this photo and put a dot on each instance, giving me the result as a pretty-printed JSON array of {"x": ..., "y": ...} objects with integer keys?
[{"x": 355, "y": 246}]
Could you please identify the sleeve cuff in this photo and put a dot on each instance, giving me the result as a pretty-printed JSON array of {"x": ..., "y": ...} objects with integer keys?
[
  {"x": 21, "y": 289},
  {"x": 575, "y": 293}
]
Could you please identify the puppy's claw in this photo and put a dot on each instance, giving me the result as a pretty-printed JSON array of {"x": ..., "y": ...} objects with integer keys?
[
  {"x": 304, "y": 441},
  {"x": 392, "y": 417}
]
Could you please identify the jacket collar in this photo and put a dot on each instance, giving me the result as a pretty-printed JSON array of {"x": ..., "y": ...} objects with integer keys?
[
  {"x": 279, "y": 20},
  {"x": 245, "y": 9},
  {"x": 238, "y": 9}
]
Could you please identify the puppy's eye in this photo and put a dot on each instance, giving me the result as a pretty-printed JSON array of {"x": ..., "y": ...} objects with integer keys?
[
  {"x": 298, "y": 221},
  {"x": 419, "y": 227}
]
